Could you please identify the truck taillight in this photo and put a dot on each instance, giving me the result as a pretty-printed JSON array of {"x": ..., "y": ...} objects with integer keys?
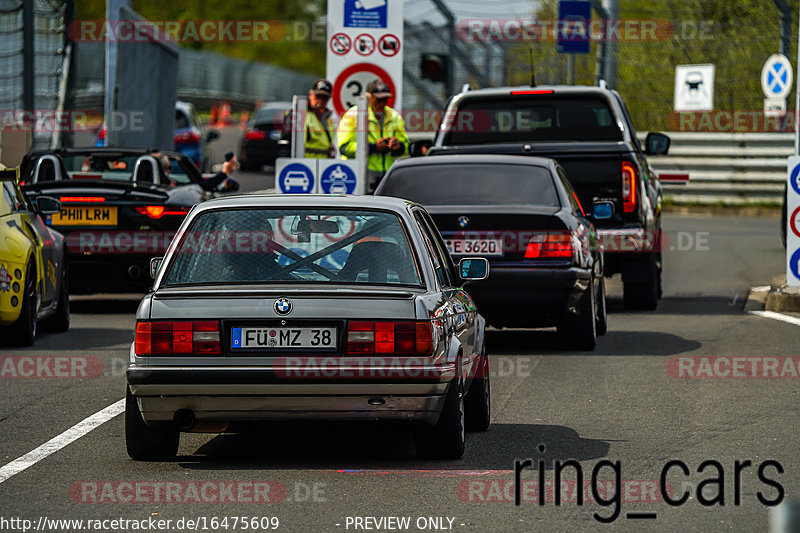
[
  {"x": 553, "y": 245},
  {"x": 399, "y": 338},
  {"x": 255, "y": 135},
  {"x": 628, "y": 187},
  {"x": 177, "y": 338}
]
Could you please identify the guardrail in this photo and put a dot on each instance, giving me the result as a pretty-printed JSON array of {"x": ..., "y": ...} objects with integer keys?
[{"x": 726, "y": 168}]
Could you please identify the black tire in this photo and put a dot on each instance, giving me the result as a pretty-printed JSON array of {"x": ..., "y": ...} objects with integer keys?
[
  {"x": 143, "y": 442},
  {"x": 478, "y": 403},
  {"x": 580, "y": 332},
  {"x": 643, "y": 295},
  {"x": 602, "y": 311},
  {"x": 446, "y": 439},
  {"x": 23, "y": 331},
  {"x": 60, "y": 320}
]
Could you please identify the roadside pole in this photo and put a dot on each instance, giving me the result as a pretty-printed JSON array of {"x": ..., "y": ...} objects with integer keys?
[
  {"x": 298, "y": 127},
  {"x": 362, "y": 146}
]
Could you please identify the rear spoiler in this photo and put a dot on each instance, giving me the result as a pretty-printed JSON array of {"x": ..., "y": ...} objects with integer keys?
[{"x": 9, "y": 174}]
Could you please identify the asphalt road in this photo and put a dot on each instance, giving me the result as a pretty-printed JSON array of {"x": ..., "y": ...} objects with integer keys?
[{"x": 618, "y": 403}]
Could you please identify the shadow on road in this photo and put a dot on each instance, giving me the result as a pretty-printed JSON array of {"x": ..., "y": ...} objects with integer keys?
[
  {"x": 102, "y": 305},
  {"x": 85, "y": 338},
  {"x": 687, "y": 305},
  {"x": 545, "y": 342},
  {"x": 369, "y": 446}
]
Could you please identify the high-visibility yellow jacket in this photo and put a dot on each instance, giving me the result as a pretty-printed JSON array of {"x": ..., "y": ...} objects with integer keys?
[
  {"x": 319, "y": 133},
  {"x": 393, "y": 125}
]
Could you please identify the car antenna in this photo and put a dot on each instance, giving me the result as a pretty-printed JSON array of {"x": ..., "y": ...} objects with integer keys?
[{"x": 533, "y": 76}]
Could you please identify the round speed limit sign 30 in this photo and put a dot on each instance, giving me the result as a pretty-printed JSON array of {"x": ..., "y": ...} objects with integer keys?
[{"x": 352, "y": 83}]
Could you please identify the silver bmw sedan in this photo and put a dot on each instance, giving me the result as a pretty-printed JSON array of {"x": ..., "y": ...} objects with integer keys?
[{"x": 300, "y": 307}]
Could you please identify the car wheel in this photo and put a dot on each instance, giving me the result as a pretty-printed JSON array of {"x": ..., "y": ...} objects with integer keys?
[
  {"x": 23, "y": 331},
  {"x": 60, "y": 320},
  {"x": 478, "y": 403},
  {"x": 445, "y": 440},
  {"x": 143, "y": 442},
  {"x": 643, "y": 295},
  {"x": 580, "y": 332},
  {"x": 602, "y": 311}
]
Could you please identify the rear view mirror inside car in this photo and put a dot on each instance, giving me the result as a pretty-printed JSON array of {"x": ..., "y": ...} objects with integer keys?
[
  {"x": 473, "y": 268},
  {"x": 602, "y": 210},
  {"x": 308, "y": 226}
]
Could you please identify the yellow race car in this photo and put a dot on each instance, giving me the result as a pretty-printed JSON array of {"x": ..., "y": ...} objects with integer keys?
[{"x": 33, "y": 270}]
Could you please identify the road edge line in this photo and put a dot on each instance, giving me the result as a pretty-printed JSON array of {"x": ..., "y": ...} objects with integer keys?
[
  {"x": 777, "y": 316},
  {"x": 66, "y": 438}
]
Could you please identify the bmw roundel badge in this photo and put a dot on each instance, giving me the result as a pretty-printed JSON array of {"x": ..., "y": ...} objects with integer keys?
[
  {"x": 463, "y": 222},
  {"x": 283, "y": 306}
]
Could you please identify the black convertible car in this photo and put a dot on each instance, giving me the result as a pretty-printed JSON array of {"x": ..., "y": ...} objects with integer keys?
[
  {"x": 120, "y": 207},
  {"x": 522, "y": 215}
]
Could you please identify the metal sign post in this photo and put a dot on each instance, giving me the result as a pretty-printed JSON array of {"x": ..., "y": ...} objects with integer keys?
[
  {"x": 362, "y": 143},
  {"x": 299, "y": 105}
]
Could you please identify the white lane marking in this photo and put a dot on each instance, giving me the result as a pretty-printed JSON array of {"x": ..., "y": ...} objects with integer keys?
[
  {"x": 56, "y": 443},
  {"x": 777, "y": 316}
]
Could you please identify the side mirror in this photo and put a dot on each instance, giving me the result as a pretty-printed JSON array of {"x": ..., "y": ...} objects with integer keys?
[
  {"x": 656, "y": 144},
  {"x": 602, "y": 210},
  {"x": 473, "y": 268},
  {"x": 8, "y": 174},
  {"x": 419, "y": 148},
  {"x": 155, "y": 264},
  {"x": 47, "y": 205},
  {"x": 212, "y": 135}
]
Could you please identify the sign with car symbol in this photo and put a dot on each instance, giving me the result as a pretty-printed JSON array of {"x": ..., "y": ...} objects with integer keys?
[
  {"x": 294, "y": 177},
  {"x": 694, "y": 88},
  {"x": 338, "y": 178}
]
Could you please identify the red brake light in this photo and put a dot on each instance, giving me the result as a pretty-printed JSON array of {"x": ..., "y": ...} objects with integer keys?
[
  {"x": 177, "y": 338},
  {"x": 254, "y": 135},
  {"x": 401, "y": 338},
  {"x": 628, "y": 187},
  {"x": 540, "y": 91},
  {"x": 188, "y": 137},
  {"x": 82, "y": 199},
  {"x": 550, "y": 246},
  {"x": 158, "y": 211}
]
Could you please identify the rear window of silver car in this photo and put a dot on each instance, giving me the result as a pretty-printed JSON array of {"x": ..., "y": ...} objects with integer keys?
[
  {"x": 294, "y": 245},
  {"x": 472, "y": 184}
]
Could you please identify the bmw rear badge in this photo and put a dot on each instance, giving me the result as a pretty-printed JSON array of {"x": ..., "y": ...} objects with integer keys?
[
  {"x": 463, "y": 222},
  {"x": 283, "y": 306}
]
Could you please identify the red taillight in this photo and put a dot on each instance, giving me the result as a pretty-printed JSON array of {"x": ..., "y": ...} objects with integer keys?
[
  {"x": 628, "y": 187},
  {"x": 540, "y": 91},
  {"x": 188, "y": 137},
  {"x": 177, "y": 338},
  {"x": 255, "y": 135},
  {"x": 401, "y": 338},
  {"x": 550, "y": 246},
  {"x": 158, "y": 211},
  {"x": 82, "y": 199}
]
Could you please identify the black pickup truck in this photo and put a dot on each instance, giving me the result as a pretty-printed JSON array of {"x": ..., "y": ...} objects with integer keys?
[{"x": 589, "y": 131}]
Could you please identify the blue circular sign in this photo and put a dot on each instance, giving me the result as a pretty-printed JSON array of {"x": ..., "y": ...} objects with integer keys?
[
  {"x": 794, "y": 263},
  {"x": 794, "y": 179},
  {"x": 296, "y": 178},
  {"x": 335, "y": 261},
  {"x": 338, "y": 179}
]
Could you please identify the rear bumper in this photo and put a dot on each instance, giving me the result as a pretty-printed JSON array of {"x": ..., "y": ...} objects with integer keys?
[
  {"x": 258, "y": 394},
  {"x": 522, "y": 295}
]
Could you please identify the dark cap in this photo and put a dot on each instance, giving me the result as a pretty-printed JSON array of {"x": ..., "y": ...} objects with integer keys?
[
  {"x": 378, "y": 89},
  {"x": 322, "y": 87}
]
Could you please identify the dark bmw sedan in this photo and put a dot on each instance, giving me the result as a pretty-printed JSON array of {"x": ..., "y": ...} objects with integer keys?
[
  {"x": 259, "y": 145},
  {"x": 522, "y": 215}
]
